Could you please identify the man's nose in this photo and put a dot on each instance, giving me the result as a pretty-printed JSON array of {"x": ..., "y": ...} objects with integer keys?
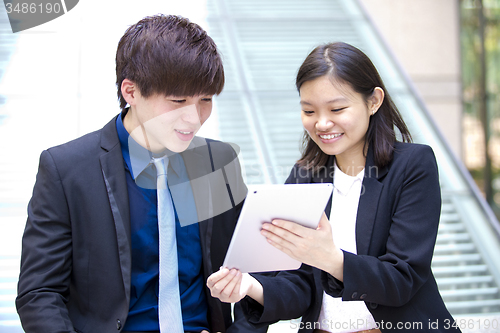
[{"x": 191, "y": 114}]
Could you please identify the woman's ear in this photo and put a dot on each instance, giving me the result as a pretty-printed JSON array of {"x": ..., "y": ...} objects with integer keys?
[
  {"x": 129, "y": 91},
  {"x": 376, "y": 100}
]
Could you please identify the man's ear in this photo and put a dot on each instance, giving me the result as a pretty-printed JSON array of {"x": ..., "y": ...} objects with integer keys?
[
  {"x": 130, "y": 92},
  {"x": 376, "y": 100}
]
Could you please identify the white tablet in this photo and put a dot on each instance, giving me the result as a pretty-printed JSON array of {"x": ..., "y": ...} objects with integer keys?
[{"x": 249, "y": 251}]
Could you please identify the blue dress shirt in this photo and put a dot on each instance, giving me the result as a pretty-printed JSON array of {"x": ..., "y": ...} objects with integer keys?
[{"x": 141, "y": 184}]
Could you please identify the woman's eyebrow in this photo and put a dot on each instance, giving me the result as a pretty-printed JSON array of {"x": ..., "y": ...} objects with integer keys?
[{"x": 338, "y": 99}]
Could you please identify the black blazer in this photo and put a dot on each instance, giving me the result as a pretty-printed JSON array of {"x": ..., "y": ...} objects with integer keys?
[
  {"x": 396, "y": 230},
  {"x": 76, "y": 260}
]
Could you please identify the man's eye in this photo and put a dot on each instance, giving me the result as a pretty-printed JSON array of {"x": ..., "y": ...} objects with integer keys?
[
  {"x": 206, "y": 99},
  {"x": 178, "y": 100}
]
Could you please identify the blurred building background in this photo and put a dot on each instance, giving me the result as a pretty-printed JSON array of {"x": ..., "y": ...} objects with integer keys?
[
  {"x": 451, "y": 52},
  {"x": 438, "y": 58}
]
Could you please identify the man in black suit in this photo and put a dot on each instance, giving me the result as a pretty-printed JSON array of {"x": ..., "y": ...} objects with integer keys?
[{"x": 90, "y": 247}]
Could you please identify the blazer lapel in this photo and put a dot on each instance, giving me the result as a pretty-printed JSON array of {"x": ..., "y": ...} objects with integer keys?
[
  {"x": 325, "y": 175},
  {"x": 198, "y": 165},
  {"x": 368, "y": 203},
  {"x": 113, "y": 173}
]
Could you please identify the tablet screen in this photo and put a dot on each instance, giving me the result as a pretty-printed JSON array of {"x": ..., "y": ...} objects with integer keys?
[{"x": 249, "y": 251}]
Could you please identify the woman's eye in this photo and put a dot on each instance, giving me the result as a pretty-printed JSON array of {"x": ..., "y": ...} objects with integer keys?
[
  {"x": 206, "y": 99},
  {"x": 308, "y": 112},
  {"x": 178, "y": 100},
  {"x": 337, "y": 110}
]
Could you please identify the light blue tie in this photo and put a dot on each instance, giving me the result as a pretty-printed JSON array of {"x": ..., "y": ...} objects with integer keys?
[{"x": 169, "y": 302}]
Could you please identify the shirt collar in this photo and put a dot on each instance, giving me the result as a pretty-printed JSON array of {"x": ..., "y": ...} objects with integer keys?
[{"x": 343, "y": 182}]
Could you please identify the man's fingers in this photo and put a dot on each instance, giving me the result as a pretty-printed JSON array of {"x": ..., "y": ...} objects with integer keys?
[
  {"x": 222, "y": 283},
  {"x": 233, "y": 287},
  {"x": 216, "y": 277},
  {"x": 237, "y": 287}
]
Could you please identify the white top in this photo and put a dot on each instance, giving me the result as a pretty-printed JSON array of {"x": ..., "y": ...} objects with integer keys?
[{"x": 337, "y": 315}]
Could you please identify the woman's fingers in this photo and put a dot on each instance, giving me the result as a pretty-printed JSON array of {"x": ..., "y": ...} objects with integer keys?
[
  {"x": 287, "y": 233},
  {"x": 310, "y": 246},
  {"x": 277, "y": 235},
  {"x": 324, "y": 224},
  {"x": 283, "y": 236},
  {"x": 293, "y": 232},
  {"x": 291, "y": 227}
]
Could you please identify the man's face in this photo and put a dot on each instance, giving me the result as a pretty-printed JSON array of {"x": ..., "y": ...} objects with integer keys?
[{"x": 170, "y": 122}]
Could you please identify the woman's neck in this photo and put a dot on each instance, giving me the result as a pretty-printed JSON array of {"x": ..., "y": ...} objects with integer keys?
[{"x": 351, "y": 166}]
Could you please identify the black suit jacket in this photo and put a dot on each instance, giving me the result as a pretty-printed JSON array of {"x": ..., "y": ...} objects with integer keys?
[
  {"x": 396, "y": 230},
  {"x": 76, "y": 258}
]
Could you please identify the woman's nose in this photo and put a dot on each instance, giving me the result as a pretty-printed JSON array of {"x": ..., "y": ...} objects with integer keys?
[{"x": 324, "y": 123}]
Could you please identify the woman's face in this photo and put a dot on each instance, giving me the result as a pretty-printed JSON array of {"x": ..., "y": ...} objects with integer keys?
[{"x": 336, "y": 117}]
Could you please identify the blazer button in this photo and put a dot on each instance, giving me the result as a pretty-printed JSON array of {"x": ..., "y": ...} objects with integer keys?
[
  {"x": 118, "y": 324},
  {"x": 363, "y": 296},
  {"x": 354, "y": 295},
  {"x": 373, "y": 305}
]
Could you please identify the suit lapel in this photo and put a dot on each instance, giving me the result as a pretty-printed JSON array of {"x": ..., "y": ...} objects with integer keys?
[
  {"x": 113, "y": 173},
  {"x": 198, "y": 164},
  {"x": 325, "y": 175},
  {"x": 368, "y": 203},
  {"x": 198, "y": 168},
  {"x": 367, "y": 211}
]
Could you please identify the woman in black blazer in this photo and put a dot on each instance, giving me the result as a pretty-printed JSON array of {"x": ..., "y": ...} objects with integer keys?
[{"x": 373, "y": 272}]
